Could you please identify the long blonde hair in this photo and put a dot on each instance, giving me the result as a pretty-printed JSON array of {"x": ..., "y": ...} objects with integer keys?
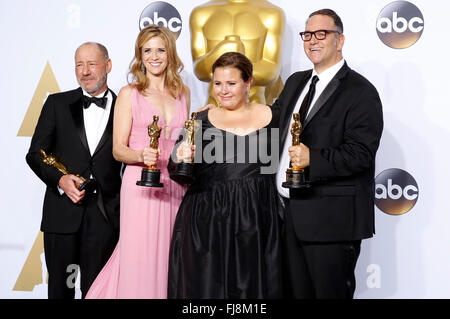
[{"x": 173, "y": 81}]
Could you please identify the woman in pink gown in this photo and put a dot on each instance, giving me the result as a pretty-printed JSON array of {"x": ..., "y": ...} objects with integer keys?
[{"x": 138, "y": 267}]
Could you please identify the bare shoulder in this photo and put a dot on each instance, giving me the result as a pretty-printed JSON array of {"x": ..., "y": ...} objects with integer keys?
[
  {"x": 262, "y": 115},
  {"x": 126, "y": 91},
  {"x": 187, "y": 97},
  {"x": 213, "y": 111},
  {"x": 262, "y": 110},
  {"x": 124, "y": 96},
  {"x": 123, "y": 103}
]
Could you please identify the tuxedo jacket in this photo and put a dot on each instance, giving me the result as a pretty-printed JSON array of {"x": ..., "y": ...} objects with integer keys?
[
  {"x": 60, "y": 131},
  {"x": 342, "y": 131}
]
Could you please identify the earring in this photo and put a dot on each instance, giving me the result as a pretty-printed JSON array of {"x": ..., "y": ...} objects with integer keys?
[{"x": 143, "y": 69}]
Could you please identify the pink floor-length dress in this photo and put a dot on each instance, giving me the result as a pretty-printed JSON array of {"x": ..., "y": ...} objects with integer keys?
[{"x": 138, "y": 266}]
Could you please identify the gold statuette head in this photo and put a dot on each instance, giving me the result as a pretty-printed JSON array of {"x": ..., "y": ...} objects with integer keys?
[
  {"x": 154, "y": 131},
  {"x": 189, "y": 127},
  {"x": 296, "y": 130}
]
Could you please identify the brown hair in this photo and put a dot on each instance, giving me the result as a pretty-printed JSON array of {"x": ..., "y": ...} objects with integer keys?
[
  {"x": 173, "y": 79},
  {"x": 235, "y": 60}
]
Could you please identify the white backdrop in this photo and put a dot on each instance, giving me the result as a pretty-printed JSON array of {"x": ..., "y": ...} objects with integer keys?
[{"x": 409, "y": 255}]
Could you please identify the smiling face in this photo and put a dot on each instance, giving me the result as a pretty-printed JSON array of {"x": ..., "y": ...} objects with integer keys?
[
  {"x": 154, "y": 56},
  {"x": 327, "y": 52},
  {"x": 230, "y": 90},
  {"x": 91, "y": 69}
]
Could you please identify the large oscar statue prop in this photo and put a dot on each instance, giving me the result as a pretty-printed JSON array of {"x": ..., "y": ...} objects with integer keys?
[
  {"x": 254, "y": 28},
  {"x": 88, "y": 184},
  {"x": 150, "y": 175},
  {"x": 295, "y": 176},
  {"x": 183, "y": 174}
]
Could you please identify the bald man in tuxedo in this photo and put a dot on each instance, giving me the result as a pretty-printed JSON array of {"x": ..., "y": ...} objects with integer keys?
[{"x": 80, "y": 227}]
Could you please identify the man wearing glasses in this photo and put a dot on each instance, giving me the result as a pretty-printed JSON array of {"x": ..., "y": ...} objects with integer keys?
[{"x": 342, "y": 121}]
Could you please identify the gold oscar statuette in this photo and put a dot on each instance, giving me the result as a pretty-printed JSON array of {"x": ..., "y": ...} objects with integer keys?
[
  {"x": 295, "y": 176},
  {"x": 150, "y": 175},
  {"x": 88, "y": 184},
  {"x": 254, "y": 28},
  {"x": 183, "y": 173}
]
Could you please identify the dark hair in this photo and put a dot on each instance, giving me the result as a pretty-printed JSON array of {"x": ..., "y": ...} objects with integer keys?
[
  {"x": 235, "y": 60},
  {"x": 333, "y": 15}
]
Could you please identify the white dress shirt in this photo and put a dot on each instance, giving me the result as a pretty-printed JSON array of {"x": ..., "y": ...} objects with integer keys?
[
  {"x": 324, "y": 78},
  {"x": 95, "y": 121}
]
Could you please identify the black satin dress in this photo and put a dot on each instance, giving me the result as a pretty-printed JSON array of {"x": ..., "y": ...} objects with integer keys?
[{"x": 226, "y": 241}]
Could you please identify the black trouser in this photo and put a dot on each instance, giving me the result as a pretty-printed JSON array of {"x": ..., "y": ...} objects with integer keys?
[
  {"x": 90, "y": 248},
  {"x": 316, "y": 270}
]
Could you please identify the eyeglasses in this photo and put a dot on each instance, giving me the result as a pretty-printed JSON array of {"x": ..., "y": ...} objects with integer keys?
[{"x": 319, "y": 34}]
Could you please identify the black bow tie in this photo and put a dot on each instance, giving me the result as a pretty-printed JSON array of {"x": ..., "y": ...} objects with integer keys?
[{"x": 99, "y": 101}]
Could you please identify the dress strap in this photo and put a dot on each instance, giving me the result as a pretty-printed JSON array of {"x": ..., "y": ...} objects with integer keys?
[{"x": 183, "y": 105}]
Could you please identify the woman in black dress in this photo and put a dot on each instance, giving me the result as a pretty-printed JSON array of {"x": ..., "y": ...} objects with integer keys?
[{"x": 226, "y": 241}]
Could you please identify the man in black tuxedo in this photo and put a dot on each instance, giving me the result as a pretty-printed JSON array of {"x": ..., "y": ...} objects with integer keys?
[
  {"x": 342, "y": 122},
  {"x": 80, "y": 227}
]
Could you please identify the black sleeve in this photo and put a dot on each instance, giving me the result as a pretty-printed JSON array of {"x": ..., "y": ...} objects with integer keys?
[
  {"x": 44, "y": 138},
  {"x": 172, "y": 165},
  {"x": 362, "y": 134}
]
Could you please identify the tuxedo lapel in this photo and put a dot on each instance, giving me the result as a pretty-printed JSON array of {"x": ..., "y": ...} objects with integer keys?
[
  {"x": 326, "y": 94},
  {"x": 292, "y": 102},
  {"x": 76, "y": 108},
  {"x": 107, "y": 133}
]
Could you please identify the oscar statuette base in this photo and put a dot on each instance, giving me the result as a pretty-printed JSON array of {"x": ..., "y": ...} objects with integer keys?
[
  {"x": 296, "y": 179},
  {"x": 150, "y": 178},
  {"x": 183, "y": 173},
  {"x": 89, "y": 185}
]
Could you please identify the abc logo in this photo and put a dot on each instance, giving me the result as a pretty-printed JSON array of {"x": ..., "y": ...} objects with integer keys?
[
  {"x": 400, "y": 24},
  {"x": 396, "y": 191},
  {"x": 163, "y": 14}
]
